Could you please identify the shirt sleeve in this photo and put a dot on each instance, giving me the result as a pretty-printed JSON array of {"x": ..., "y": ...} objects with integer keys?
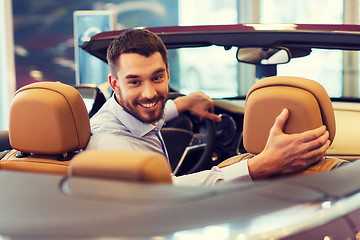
[
  {"x": 170, "y": 111},
  {"x": 237, "y": 172},
  {"x": 111, "y": 141}
]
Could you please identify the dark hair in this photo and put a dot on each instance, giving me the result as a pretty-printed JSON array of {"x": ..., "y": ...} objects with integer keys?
[{"x": 140, "y": 41}]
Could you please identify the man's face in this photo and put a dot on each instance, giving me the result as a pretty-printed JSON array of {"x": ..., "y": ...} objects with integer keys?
[{"x": 141, "y": 86}]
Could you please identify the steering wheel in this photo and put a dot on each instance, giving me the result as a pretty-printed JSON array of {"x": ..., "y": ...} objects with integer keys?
[{"x": 189, "y": 142}]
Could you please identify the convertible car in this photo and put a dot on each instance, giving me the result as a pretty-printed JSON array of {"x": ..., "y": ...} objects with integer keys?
[{"x": 51, "y": 187}]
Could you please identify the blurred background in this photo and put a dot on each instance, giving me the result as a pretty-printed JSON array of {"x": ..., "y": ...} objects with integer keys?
[{"x": 46, "y": 35}]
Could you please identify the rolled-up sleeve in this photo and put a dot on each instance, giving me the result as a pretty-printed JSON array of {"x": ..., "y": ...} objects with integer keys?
[
  {"x": 170, "y": 111},
  {"x": 237, "y": 172}
]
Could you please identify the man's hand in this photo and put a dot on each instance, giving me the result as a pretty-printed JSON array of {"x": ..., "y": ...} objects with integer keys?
[
  {"x": 199, "y": 104},
  {"x": 289, "y": 153}
]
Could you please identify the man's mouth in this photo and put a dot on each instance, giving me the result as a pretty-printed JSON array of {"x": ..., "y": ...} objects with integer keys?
[{"x": 148, "y": 105}]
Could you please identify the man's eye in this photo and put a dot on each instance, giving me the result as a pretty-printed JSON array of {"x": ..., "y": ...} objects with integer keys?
[
  {"x": 134, "y": 82},
  {"x": 158, "y": 78}
]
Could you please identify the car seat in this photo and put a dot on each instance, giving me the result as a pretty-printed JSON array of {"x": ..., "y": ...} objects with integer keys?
[
  {"x": 48, "y": 124},
  {"x": 49, "y": 129},
  {"x": 309, "y": 107},
  {"x": 121, "y": 165}
]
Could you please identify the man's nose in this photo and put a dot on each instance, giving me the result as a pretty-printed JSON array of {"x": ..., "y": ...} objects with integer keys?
[{"x": 148, "y": 91}]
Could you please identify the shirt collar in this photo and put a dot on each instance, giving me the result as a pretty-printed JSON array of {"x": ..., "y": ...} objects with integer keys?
[{"x": 135, "y": 126}]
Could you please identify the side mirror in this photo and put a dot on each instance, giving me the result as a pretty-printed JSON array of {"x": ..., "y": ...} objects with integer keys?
[{"x": 263, "y": 56}]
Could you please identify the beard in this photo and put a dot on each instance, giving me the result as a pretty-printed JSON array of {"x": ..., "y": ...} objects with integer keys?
[{"x": 147, "y": 117}]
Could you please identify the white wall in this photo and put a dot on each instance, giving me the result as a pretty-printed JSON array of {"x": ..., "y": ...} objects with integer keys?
[{"x": 7, "y": 63}]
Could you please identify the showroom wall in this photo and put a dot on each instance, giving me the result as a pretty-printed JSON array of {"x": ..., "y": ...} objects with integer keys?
[{"x": 7, "y": 63}]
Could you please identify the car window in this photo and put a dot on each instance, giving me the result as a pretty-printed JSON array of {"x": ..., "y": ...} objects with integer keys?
[
  {"x": 217, "y": 73},
  {"x": 323, "y": 66},
  {"x": 209, "y": 69},
  {"x": 336, "y": 70}
]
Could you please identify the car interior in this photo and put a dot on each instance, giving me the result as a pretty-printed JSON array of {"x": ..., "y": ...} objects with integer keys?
[
  {"x": 4, "y": 141},
  {"x": 309, "y": 107},
  {"x": 57, "y": 128},
  {"x": 52, "y": 137},
  {"x": 92, "y": 96}
]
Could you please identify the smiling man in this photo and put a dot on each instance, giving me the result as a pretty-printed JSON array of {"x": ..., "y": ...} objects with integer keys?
[
  {"x": 132, "y": 118},
  {"x": 142, "y": 91}
]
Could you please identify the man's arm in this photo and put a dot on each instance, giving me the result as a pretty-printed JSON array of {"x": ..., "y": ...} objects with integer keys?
[
  {"x": 288, "y": 153},
  {"x": 283, "y": 153},
  {"x": 198, "y": 103}
]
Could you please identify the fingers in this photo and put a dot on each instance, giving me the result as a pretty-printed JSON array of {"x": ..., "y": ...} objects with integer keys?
[
  {"x": 313, "y": 143},
  {"x": 315, "y": 150},
  {"x": 212, "y": 117},
  {"x": 202, "y": 105},
  {"x": 314, "y": 134},
  {"x": 317, "y": 142},
  {"x": 287, "y": 153},
  {"x": 318, "y": 152},
  {"x": 281, "y": 120}
]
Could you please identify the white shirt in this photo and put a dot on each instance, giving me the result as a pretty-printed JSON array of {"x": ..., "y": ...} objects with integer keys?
[{"x": 113, "y": 128}]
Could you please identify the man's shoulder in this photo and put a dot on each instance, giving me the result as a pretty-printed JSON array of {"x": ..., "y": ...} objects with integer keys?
[{"x": 105, "y": 117}]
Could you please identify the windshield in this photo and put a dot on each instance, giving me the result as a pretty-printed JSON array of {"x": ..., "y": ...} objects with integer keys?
[
  {"x": 212, "y": 70},
  {"x": 323, "y": 66},
  {"x": 216, "y": 71}
]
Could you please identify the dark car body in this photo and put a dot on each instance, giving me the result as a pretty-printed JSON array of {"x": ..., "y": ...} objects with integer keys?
[{"x": 319, "y": 206}]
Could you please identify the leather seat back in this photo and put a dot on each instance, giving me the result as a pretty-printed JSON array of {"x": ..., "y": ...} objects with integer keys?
[
  {"x": 48, "y": 121},
  {"x": 309, "y": 107},
  {"x": 307, "y": 101},
  {"x": 48, "y": 118},
  {"x": 121, "y": 165}
]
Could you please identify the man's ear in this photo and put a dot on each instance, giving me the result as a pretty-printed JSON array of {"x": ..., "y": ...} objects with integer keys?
[{"x": 114, "y": 83}]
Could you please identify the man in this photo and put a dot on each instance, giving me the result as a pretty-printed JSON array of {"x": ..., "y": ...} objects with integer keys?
[{"x": 132, "y": 118}]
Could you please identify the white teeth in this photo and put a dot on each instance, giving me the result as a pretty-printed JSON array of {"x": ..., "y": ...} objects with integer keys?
[{"x": 148, "y": 105}]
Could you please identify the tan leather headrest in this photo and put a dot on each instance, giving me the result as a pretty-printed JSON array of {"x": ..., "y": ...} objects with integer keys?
[
  {"x": 48, "y": 118},
  {"x": 121, "y": 165},
  {"x": 308, "y": 103}
]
